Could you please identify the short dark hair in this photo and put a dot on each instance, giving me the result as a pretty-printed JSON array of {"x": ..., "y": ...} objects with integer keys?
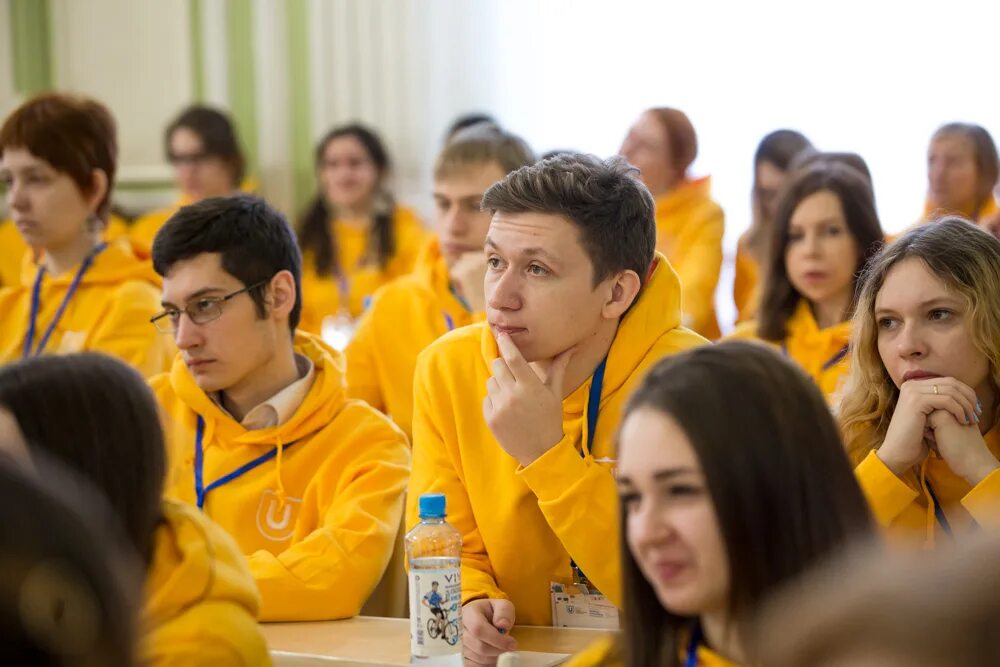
[
  {"x": 217, "y": 134},
  {"x": 479, "y": 145},
  {"x": 785, "y": 498},
  {"x": 73, "y": 134},
  {"x": 254, "y": 239},
  {"x": 97, "y": 416},
  {"x": 854, "y": 191},
  {"x": 605, "y": 199},
  {"x": 60, "y": 551},
  {"x": 468, "y": 120}
]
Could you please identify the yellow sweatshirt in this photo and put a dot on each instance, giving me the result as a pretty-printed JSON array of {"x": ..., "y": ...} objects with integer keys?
[
  {"x": 746, "y": 285},
  {"x": 521, "y": 524},
  {"x": 201, "y": 601},
  {"x": 822, "y": 353},
  {"x": 145, "y": 227},
  {"x": 933, "y": 211},
  {"x": 109, "y": 312},
  {"x": 405, "y": 316},
  {"x": 321, "y": 295},
  {"x": 905, "y": 508},
  {"x": 603, "y": 653},
  {"x": 689, "y": 227},
  {"x": 13, "y": 248},
  {"x": 317, "y": 521}
]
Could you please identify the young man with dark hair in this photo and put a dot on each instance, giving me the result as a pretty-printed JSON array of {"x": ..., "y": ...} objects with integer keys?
[
  {"x": 445, "y": 290},
  {"x": 262, "y": 436},
  {"x": 514, "y": 418}
]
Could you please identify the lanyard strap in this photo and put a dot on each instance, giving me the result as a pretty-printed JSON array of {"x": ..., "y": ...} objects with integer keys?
[
  {"x": 201, "y": 491},
  {"x": 594, "y": 404},
  {"x": 938, "y": 509},
  {"x": 449, "y": 321},
  {"x": 36, "y": 304},
  {"x": 831, "y": 362},
  {"x": 692, "y": 652}
]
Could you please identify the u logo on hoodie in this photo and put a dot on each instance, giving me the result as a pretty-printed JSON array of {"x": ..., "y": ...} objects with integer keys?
[{"x": 275, "y": 522}]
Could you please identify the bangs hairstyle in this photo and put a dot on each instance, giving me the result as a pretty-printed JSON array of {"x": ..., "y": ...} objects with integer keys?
[
  {"x": 254, "y": 239},
  {"x": 854, "y": 191},
  {"x": 481, "y": 145},
  {"x": 785, "y": 498},
  {"x": 966, "y": 259},
  {"x": 74, "y": 134},
  {"x": 603, "y": 199}
]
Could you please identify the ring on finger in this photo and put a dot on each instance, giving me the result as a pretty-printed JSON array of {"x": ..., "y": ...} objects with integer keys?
[{"x": 935, "y": 390}]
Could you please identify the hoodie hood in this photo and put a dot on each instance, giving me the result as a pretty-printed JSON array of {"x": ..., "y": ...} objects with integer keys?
[{"x": 117, "y": 263}]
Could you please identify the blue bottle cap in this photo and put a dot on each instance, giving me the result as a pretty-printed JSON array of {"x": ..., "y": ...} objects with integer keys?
[{"x": 432, "y": 506}]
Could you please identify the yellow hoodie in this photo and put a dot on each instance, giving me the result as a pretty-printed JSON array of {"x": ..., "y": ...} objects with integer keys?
[
  {"x": 603, "y": 653},
  {"x": 317, "y": 521},
  {"x": 822, "y": 353},
  {"x": 321, "y": 295},
  {"x": 521, "y": 524},
  {"x": 405, "y": 316},
  {"x": 746, "y": 285},
  {"x": 109, "y": 312},
  {"x": 201, "y": 601},
  {"x": 146, "y": 226},
  {"x": 13, "y": 248},
  {"x": 906, "y": 510},
  {"x": 689, "y": 227}
]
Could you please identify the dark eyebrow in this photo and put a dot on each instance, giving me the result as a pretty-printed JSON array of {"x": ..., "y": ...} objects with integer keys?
[
  {"x": 661, "y": 475},
  {"x": 204, "y": 291},
  {"x": 527, "y": 252}
]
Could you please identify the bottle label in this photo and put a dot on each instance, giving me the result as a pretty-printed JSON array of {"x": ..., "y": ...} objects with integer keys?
[{"x": 435, "y": 612}]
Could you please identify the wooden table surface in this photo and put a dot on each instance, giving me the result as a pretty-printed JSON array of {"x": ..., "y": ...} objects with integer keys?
[{"x": 367, "y": 640}]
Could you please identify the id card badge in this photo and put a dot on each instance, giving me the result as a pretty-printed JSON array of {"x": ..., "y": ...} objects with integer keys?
[{"x": 578, "y": 606}]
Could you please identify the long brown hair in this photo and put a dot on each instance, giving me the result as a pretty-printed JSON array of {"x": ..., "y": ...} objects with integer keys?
[
  {"x": 778, "y": 148},
  {"x": 314, "y": 228},
  {"x": 779, "y": 297},
  {"x": 967, "y": 260},
  {"x": 784, "y": 494}
]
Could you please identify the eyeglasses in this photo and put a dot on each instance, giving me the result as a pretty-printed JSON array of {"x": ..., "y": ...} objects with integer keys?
[
  {"x": 200, "y": 311},
  {"x": 191, "y": 159}
]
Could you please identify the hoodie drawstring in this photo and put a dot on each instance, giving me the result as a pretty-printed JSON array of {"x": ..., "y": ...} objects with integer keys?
[{"x": 282, "y": 498}]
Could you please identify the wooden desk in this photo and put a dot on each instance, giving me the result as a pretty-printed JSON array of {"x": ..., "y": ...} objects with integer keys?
[{"x": 367, "y": 640}]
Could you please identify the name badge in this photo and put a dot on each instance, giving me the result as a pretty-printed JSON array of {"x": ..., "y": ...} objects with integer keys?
[{"x": 577, "y": 606}]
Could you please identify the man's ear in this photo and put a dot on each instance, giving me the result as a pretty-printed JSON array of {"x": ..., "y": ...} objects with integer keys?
[
  {"x": 283, "y": 294},
  {"x": 99, "y": 179},
  {"x": 625, "y": 288}
]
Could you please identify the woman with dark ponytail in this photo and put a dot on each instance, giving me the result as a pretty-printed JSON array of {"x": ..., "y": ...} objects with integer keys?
[{"x": 354, "y": 237}]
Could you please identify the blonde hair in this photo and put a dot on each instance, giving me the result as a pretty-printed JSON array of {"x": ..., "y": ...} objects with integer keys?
[{"x": 963, "y": 257}]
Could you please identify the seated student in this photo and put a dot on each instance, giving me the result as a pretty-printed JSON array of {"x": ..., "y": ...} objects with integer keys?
[
  {"x": 662, "y": 144},
  {"x": 825, "y": 231},
  {"x": 262, "y": 435},
  {"x": 919, "y": 411},
  {"x": 68, "y": 592},
  {"x": 771, "y": 166},
  {"x": 919, "y": 609},
  {"x": 57, "y": 157},
  {"x": 513, "y": 417},
  {"x": 354, "y": 237},
  {"x": 962, "y": 170},
  {"x": 709, "y": 530},
  {"x": 200, "y": 599},
  {"x": 202, "y": 148},
  {"x": 445, "y": 290}
]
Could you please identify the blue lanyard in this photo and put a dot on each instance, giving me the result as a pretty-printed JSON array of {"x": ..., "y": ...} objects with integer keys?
[
  {"x": 831, "y": 362},
  {"x": 36, "y": 304},
  {"x": 449, "y": 321},
  {"x": 692, "y": 652},
  {"x": 594, "y": 404},
  {"x": 201, "y": 491},
  {"x": 938, "y": 509}
]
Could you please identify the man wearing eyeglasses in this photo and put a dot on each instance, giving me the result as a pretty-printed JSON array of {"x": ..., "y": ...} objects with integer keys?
[{"x": 261, "y": 434}]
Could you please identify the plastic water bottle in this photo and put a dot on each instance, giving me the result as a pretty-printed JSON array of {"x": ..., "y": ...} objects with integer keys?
[{"x": 434, "y": 555}]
